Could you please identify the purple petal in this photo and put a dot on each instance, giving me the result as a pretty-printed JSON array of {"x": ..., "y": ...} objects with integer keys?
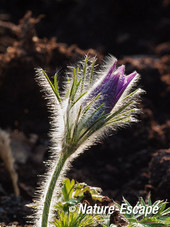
[
  {"x": 120, "y": 73},
  {"x": 112, "y": 68},
  {"x": 103, "y": 83},
  {"x": 127, "y": 80},
  {"x": 131, "y": 76}
]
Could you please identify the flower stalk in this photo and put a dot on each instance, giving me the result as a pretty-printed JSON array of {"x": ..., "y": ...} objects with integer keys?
[
  {"x": 93, "y": 103},
  {"x": 50, "y": 190}
]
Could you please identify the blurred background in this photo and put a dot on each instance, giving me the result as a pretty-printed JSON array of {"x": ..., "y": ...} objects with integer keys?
[{"x": 55, "y": 33}]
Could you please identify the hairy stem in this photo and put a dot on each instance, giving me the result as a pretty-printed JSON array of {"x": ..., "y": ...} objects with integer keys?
[{"x": 51, "y": 187}]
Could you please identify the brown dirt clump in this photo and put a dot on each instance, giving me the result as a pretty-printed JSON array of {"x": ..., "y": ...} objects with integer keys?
[{"x": 160, "y": 173}]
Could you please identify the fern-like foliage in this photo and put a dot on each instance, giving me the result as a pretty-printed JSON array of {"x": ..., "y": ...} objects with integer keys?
[
  {"x": 71, "y": 195},
  {"x": 140, "y": 219}
]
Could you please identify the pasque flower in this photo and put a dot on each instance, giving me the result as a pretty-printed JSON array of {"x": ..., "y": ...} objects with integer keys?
[{"x": 93, "y": 103}]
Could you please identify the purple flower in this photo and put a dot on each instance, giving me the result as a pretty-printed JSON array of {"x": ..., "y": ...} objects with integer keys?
[{"x": 111, "y": 88}]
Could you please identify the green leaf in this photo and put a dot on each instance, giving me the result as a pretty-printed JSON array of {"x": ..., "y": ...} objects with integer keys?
[
  {"x": 78, "y": 99},
  {"x": 76, "y": 124},
  {"x": 84, "y": 74},
  {"x": 142, "y": 202},
  {"x": 118, "y": 120},
  {"x": 93, "y": 124},
  {"x": 90, "y": 104},
  {"x": 132, "y": 93},
  {"x": 55, "y": 89},
  {"x": 111, "y": 116},
  {"x": 94, "y": 127},
  {"x": 161, "y": 209},
  {"x": 73, "y": 85},
  {"x": 165, "y": 212},
  {"x": 92, "y": 71},
  {"x": 149, "y": 200}
]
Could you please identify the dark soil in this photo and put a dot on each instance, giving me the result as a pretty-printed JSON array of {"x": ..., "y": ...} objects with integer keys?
[{"x": 132, "y": 162}]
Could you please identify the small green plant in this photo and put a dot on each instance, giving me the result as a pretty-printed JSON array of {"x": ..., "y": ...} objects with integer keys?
[
  {"x": 144, "y": 216},
  {"x": 75, "y": 219},
  {"x": 140, "y": 215},
  {"x": 73, "y": 192},
  {"x": 69, "y": 198}
]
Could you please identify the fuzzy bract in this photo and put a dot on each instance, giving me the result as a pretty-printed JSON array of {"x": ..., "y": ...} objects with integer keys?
[{"x": 97, "y": 101}]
